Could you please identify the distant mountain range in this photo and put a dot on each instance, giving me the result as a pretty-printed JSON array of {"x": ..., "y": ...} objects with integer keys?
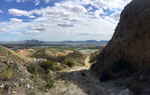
[{"x": 74, "y": 43}]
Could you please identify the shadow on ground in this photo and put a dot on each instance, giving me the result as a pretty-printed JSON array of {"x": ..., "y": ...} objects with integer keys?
[{"x": 86, "y": 81}]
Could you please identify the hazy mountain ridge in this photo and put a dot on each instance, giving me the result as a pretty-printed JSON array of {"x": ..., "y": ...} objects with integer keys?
[{"x": 37, "y": 42}]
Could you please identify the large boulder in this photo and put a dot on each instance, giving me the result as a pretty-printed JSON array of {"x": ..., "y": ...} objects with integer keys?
[{"x": 131, "y": 40}]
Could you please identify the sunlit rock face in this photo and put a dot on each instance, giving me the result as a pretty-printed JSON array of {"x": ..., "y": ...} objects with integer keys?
[{"x": 131, "y": 40}]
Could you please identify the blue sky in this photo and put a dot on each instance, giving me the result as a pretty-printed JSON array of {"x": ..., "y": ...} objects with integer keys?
[{"x": 57, "y": 20}]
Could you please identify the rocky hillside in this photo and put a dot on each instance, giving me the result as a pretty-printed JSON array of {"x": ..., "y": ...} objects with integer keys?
[
  {"x": 129, "y": 45},
  {"x": 13, "y": 73},
  {"x": 9, "y": 56}
]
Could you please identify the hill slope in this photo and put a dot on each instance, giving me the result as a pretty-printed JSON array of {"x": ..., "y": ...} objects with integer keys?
[{"x": 9, "y": 56}]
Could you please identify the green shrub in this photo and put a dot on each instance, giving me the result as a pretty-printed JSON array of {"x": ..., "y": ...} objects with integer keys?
[
  {"x": 32, "y": 93},
  {"x": 70, "y": 64},
  {"x": 30, "y": 68},
  {"x": 43, "y": 68},
  {"x": 44, "y": 54},
  {"x": 33, "y": 69},
  {"x": 75, "y": 54},
  {"x": 47, "y": 65},
  {"x": 49, "y": 84},
  {"x": 6, "y": 75},
  {"x": 60, "y": 59}
]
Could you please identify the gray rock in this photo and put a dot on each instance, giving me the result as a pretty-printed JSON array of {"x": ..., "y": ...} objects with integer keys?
[
  {"x": 14, "y": 92},
  {"x": 130, "y": 40},
  {"x": 28, "y": 85}
]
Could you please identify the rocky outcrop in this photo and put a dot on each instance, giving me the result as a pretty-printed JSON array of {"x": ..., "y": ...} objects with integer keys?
[{"x": 131, "y": 40}]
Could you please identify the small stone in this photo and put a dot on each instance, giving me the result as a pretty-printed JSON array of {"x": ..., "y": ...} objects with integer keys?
[
  {"x": 22, "y": 80},
  {"x": 14, "y": 92},
  {"x": 1, "y": 86},
  {"x": 16, "y": 84},
  {"x": 28, "y": 85},
  {"x": 32, "y": 87}
]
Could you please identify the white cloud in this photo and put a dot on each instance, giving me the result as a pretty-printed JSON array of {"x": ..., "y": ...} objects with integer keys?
[
  {"x": 31, "y": 16},
  {"x": 1, "y": 11},
  {"x": 16, "y": 33},
  {"x": 71, "y": 7},
  {"x": 70, "y": 17},
  {"x": 15, "y": 20},
  {"x": 18, "y": 1},
  {"x": 47, "y": 1},
  {"x": 16, "y": 12},
  {"x": 37, "y": 2},
  {"x": 59, "y": 10},
  {"x": 116, "y": 15},
  {"x": 98, "y": 12},
  {"x": 32, "y": 32},
  {"x": 40, "y": 27},
  {"x": 103, "y": 3},
  {"x": 6, "y": 28},
  {"x": 9, "y": 0}
]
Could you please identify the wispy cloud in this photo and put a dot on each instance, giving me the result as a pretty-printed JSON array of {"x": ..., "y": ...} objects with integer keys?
[
  {"x": 6, "y": 29},
  {"x": 18, "y": 1},
  {"x": 65, "y": 25},
  {"x": 17, "y": 12},
  {"x": 1, "y": 11},
  {"x": 37, "y": 2},
  {"x": 15, "y": 20},
  {"x": 47, "y": 1},
  {"x": 32, "y": 32}
]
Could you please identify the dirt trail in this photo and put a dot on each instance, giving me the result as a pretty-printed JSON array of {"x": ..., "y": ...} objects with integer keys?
[
  {"x": 87, "y": 64},
  {"x": 80, "y": 81},
  {"x": 77, "y": 68}
]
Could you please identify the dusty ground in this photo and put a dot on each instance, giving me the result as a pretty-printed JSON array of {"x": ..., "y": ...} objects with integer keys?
[{"x": 80, "y": 81}]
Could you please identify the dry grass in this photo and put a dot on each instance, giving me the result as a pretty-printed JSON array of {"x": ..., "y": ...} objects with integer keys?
[
  {"x": 26, "y": 54},
  {"x": 9, "y": 56},
  {"x": 6, "y": 75},
  {"x": 42, "y": 53}
]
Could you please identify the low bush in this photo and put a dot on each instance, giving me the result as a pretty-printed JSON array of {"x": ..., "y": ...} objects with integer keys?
[
  {"x": 32, "y": 93},
  {"x": 75, "y": 54},
  {"x": 70, "y": 64},
  {"x": 47, "y": 65},
  {"x": 33, "y": 69},
  {"x": 6, "y": 75},
  {"x": 43, "y": 67},
  {"x": 49, "y": 84}
]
